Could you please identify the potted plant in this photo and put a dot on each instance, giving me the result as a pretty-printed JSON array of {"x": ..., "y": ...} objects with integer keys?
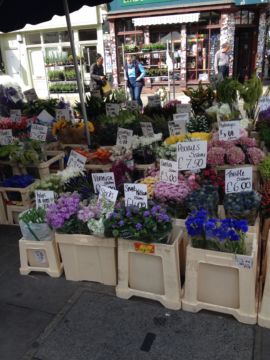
[
  {"x": 148, "y": 253},
  {"x": 146, "y": 47},
  {"x": 221, "y": 252}
]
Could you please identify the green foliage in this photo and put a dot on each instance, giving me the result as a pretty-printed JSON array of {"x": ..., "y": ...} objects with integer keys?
[
  {"x": 34, "y": 216},
  {"x": 117, "y": 96},
  {"x": 63, "y": 88},
  {"x": 227, "y": 91},
  {"x": 35, "y": 107},
  {"x": 199, "y": 123},
  {"x": 56, "y": 75},
  {"x": 264, "y": 132},
  {"x": 201, "y": 98},
  {"x": 250, "y": 92},
  {"x": 74, "y": 226},
  {"x": 131, "y": 48},
  {"x": 264, "y": 167},
  {"x": 70, "y": 75},
  {"x": 94, "y": 107}
]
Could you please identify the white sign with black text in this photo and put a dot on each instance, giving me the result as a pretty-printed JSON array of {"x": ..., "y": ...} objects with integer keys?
[
  {"x": 15, "y": 115},
  {"x": 38, "y": 132},
  {"x": 6, "y": 137},
  {"x": 76, "y": 161},
  {"x": 62, "y": 114},
  {"x": 183, "y": 108},
  {"x": 168, "y": 171},
  {"x": 154, "y": 101},
  {"x": 244, "y": 261},
  {"x": 30, "y": 95},
  {"x": 136, "y": 195},
  {"x": 107, "y": 198},
  {"x": 238, "y": 179},
  {"x": 45, "y": 117},
  {"x": 44, "y": 198},
  {"x": 103, "y": 179},
  {"x": 112, "y": 109},
  {"x": 229, "y": 130},
  {"x": 181, "y": 117},
  {"x": 176, "y": 127},
  {"x": 124, "y": 137},
  {"x": 147, "y": 129},
  {"x": 191, "y": 155}
]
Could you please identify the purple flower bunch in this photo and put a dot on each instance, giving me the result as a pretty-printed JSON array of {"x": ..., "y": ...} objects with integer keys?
[
  {"x": 177, "y": 193},
  {"x": 62, "y": 210},
  {"x": 255, "y": 155},
  {"x": 92, "y": 211},
  {"x": 216, "y": 156}
]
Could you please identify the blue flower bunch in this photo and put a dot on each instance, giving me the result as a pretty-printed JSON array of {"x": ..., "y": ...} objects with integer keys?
[
  {"x": 18, "y": 181},
  {"x": 227, "y": 235},
  {"x": 206, "y": 195},
  {"x": 151, "y": 224}
]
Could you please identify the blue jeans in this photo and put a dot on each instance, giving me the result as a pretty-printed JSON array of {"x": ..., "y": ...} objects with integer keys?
[{"x": 135, "y": 90}]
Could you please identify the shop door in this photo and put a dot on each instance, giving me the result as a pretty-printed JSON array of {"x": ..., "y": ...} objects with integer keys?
[
  {"x": 38, "y": 72},
  {"x": 13, "y": 64},
  {"x": 244, "y": 53},
  {"x": 89, "y": 53}
]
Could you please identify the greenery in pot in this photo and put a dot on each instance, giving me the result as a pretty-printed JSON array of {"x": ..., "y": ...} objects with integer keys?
[
  {"x": 94, "y": 107},
  {"x": 131, "y": 48},
  {"x": 199, "y": 123},
  {"x": 264, "y": 168},
  {"x": 33, "y": 225},
  {"x": 117, "y": 96},
  {"x": 34, "y": 108},
  {"x": 56, "y": 75},
  {"x": 201, "y": 98},
  {"x": 250, "y": 92}
]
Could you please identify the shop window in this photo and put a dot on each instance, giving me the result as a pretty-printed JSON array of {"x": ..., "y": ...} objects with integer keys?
[
  {"x": 64, "y": 37},
  {"x": 87, "y": 34},
  {"x": 33, "y": 39},
  {"x": 89, "y": 56},
  {"x": 204, "y": 18},
  {"x": 215, "y": 18},
  {"x": 245, "y": 17},
  {"x": 51, "y": 37},
  {"x": 125, "y": 25}
]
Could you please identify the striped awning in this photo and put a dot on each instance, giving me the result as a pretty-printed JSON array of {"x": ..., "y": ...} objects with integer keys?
[{"x": 163, "y": 20}]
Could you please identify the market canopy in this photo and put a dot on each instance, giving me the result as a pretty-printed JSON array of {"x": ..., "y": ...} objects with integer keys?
[
  {"x": 15, "y": 14},
  {"x": 163, "y": 20}
]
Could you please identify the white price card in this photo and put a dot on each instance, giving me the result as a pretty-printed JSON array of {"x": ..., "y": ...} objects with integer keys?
[
  {"x": 176, "y": 128},
  {"x": 191, "y": 155},
  {"x": 6, "y": 137},
  {"x": 112, "y": 109},
  {"x": 181, "y": 117},
  {"x": 45, "y": 117},
  {"x": 107, "y": 198},
  {"x": 136, "y": 195},
  {"x": 76, "y": 161},
  {"x": 103, "y": 179},
  {"x": 154, "y": 101},
  {"x": 183, "y": 108},
  {"x": 244, "y": 261},
  {"x": 124, "y": 137},
  {"x": 168, "y": 171},
  {"x": 40, "y": 256},
  {"x": 238, "y": 179},
  {"x": 62, "y": 114},
  {"x": 16, "y": 115},
  {"x": 264, "y": 103},
  {"x": 30, "y": 95},
  {"x": 44, "y": 198},
  {"x": 38, "y": 132},
  {"x": 147, "y": 129},
  {"x": 132, "y": 105},
  {"x": 229, "y": 130}
]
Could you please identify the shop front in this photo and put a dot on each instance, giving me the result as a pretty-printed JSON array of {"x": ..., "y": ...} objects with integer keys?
[{"x": 188, "y": 34}]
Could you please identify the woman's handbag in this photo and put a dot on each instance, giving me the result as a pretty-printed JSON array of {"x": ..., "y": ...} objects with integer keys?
[{"x": 106, "y": 89}]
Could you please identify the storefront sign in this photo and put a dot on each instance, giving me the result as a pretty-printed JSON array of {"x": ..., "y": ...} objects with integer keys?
[
  {"x": 103, "y": 179},
  {"x": 136, "y": 195},
  {"x": 45, "y": 117},
  {"x": 229, "y": 130},
  {"x": 147, "y": 129},
  {"x": 6, "y": 137},
  {"x": 38, "y": 132},
  {"x": 183, "y": 108},
  {"x": 168, "y": 171},
  {"x": 15, "y": 115},
  {"x": 191, "y": 155},
  {"x": 124, "y": 137},
  {"x": 144, "y": 248},
  {"x": 44, "y": 198},
  {"x": 62, "y": 114},
  {"x": 76, "y": 160},
  {"x": 30, "y": 95},
  {"x": 112, "y": 109},
  {"x": 238, "y": 180}
]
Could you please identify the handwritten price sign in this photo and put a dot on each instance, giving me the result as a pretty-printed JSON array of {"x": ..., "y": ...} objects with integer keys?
[
  {"x": 6, "y": 137},
  {"x": 147, "y": 129},
  {"x": 124, "y": 137},
  {"x": 112, "y": 109},
  {"x": 181, "y": 117},
  {"x": 38, "y": 132},
  {"x": 183, "y": 108},
  {"x": 176, "y": 128},
  {"x": 62, "y": 114},
  {"x": 169, "y": 171},
  {"x": 229, "y": 130},
  {"x": 238, "y": 180},
  {"x": 76, "y": 161},
  {"x": 136, "y": 195},
  {"x": 191, "y": 155},
  {"x": 154, "y": 101},
  {"x": 103, "y": 179},
  {"x": 44, "y": 198},
  {"x": 15, "y": 115}
]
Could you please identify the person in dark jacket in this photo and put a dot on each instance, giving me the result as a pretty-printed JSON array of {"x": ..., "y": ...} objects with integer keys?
[
  {"x": 97, "y": 77},
  {"x": 134, "y": 76}
]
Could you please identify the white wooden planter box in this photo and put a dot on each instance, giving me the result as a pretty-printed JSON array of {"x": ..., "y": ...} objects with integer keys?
[
  {"x": 264, "y": 308},
  {"x": 87, "y": 257},
  {"x": 222, "y": 282},
  {"x": 150, "y": 270}
]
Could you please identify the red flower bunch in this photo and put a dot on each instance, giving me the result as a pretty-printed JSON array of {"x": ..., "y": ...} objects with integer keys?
[{"x": 211, "y": 176}]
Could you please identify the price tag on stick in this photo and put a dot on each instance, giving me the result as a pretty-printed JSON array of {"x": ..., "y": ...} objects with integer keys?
[
  {"x": 112, "y": 109},
  {"x": 181, "y": 117},
  {"x": 169, "y": 171},
  {"x": 44, "y": 198},
  {"x": 238, "y": 179},
  {"x": 103, "y": 179},
  {"x": 124, "y": 137},
  {"x": 76, "y": 160},
  {"x": 175, "y": 128},
  {"x": 107, "y": 198},
  {"x": 183, "y": 108},
  {"x": 136, "y": 195},
  {"x": 30, "y": 95},
  {"x": 38, "y": 132},
  {"x": 15, "y": 115},
  {"x": 147, "y": 129},
  {"x": 6, "y": 137},
  {"x": 191, "y": 155},
  {"x": 62, "y": 114},
  {"x": 229, "y": 130}
]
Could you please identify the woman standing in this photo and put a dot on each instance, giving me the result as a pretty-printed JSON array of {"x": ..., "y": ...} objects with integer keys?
[
  {"x": 134, "y": 76},
  {"x": 222, "y": 62},
  {"x": 97, "y": 77}
]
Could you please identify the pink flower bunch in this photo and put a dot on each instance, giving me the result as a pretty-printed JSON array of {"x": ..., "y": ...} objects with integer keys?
[
  {"x": 235, "y": 156},
  {"x": 215, "y": 156},
  {"x": 152, "y": 172},
  {"x": 92, "y": 211},
  {"x": 221, "y": 143},
  {"x": 172, "y": 192},
  {"x": 172, "y": 103},
  {"x": 246, "y": 141},
  {"x": 255, "y": 155}
]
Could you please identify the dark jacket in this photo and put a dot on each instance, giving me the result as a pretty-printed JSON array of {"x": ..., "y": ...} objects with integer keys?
[
  {"x": 137, "y": 73},
  {"x": 95, "y": 73}
]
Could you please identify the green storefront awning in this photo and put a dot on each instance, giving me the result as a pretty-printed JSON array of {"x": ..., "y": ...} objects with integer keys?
[{"x": 250, "y": 2}]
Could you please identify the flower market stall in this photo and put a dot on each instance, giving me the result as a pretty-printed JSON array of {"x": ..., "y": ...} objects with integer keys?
[{"x": 170, "y": 203}]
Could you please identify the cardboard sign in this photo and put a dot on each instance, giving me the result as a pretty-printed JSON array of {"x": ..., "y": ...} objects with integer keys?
[
  {"x": 244, "y": 261},
  {"x": 30, "y": 95},
  {"x": 181, "y": 117},
  {"x": 144, "y": 248},
  {"x": 176, "y": 127},
  {"x": 238, "y": 180},
  {"x": 136, "y": 195},
  {"x": 132, "y": 105},
  {"x": 62, "y": 114},
  {"x": 44, "y": 198},
  {"x": 147, "y": 129},
  {"x": 76, "y": 160},
  {"x": 45, "y": 117},
  {"x": 264, "y": 103},
  {"x": 112, "y": 109},
  {"x": 154, "y": 101},
  {"x": 191, "y": 155},
  {"x": 168, "y": 171},
  {"x": 124, "y": 137},
  {"x": 107, "y": 198},
  {"x": 38, "y": 132},
  {"x": 16, "y": 115},
  {"x": 183, "y": 108},
  {"x": 103, "y": 179},
  {"x": 6, "y": 137},
  {"x": 229, "y": 130}
]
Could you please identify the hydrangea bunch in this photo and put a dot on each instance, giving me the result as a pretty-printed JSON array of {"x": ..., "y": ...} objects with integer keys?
[
  {"x": 255, "y": 155},
  {"x": 216, "y": 156},
  {"x": 176, "y": 193},
  {"x": 226, "y": 235},
  {"x": 235, "y": 156}
]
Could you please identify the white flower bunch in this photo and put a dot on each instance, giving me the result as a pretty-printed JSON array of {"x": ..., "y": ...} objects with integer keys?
[
  {"x": 69, "y": 173},
  {"x": 120, "y": 153},
  {"x": 162, "y": 93},
  {"x": 141, "y": 141}
]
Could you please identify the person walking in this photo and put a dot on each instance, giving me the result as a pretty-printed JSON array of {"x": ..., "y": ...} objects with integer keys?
[
  {"x": 97, "y": 77},
  {"x": 222, "y": 62},
  {"x": 134, "y": 76}
]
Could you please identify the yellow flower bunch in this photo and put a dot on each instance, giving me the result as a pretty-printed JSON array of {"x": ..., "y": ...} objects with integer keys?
[
  {"x": 91, "y": 127},
  {"x": 173, "y": 139},
  {"x": 62, "y": 123},
  {"x": 150, "y": 182}
]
